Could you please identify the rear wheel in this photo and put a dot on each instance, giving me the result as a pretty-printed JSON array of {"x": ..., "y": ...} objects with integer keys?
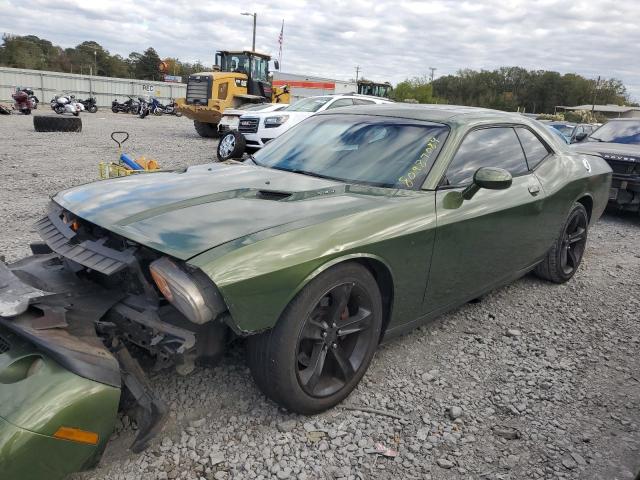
[
  {"x": 231, "y": 145},
  {"x": 323, "y": 343},
  {"x": 564, "y": 257},
  {"x": 206, "y": 130}
]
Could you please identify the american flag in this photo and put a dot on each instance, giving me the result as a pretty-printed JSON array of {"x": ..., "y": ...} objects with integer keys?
[{"x": 280, "y": 40}]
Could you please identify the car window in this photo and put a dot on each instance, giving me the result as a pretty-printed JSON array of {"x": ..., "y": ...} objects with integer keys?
[
  {"x": 362, "y": 101},
  {"x": 534, "y": 150},
  {"x": 487, "y": 147},
  {"x": 341, "y": 102}
]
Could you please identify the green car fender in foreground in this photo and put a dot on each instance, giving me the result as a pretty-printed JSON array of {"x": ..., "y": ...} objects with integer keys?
[{"x": 37, "y": 398}]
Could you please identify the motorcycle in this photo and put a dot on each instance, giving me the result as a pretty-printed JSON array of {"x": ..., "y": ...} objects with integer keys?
[
  {"x": 128, "y": 106},
  {"x": 156, "y": 107},
  {"x": 144, "y": 109},
  {"x": 90, "y": 104},
  {"x": 172, "y": 108},
  {"x": 66, "y": 104},
  {"x": 24, "y": 100}
]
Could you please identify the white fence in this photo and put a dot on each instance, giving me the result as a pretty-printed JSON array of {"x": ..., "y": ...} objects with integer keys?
[{"x": 47, "y": 84}]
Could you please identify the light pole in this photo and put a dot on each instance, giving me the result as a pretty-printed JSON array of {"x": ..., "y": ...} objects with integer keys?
[
  {"x": 95, "y": 62},
  {"x": 255, "y": 19}
]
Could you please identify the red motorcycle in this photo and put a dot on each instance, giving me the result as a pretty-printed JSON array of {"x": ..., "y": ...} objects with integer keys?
[{"x": 24, "y": 101}]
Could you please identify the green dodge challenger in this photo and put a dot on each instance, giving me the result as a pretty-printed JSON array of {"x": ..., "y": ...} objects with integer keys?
[{"x": 355, "y": 226}]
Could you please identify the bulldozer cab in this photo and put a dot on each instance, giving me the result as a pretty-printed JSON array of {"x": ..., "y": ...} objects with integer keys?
[
  {"x": 367, "y": 87},
  {"x": 254, "y": 65}
]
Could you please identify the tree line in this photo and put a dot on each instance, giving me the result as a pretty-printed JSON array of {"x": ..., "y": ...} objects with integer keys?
[
  {"x": 87, "y": 58},
  {"x": 513, "y": 88},
  {"x": 506, "y": 88}
]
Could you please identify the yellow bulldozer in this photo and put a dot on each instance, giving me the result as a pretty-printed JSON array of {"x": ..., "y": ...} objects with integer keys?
[{"x": 239, "y": 77}]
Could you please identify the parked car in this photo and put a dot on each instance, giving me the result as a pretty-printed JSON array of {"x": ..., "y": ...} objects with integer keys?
[
  {"x": 231, "y": 117},
  {"x": 353, "y": 227},
  {"x": 573, "y": 132},
  {"x": 259, "y": 128},
  {"x": 618, "y": 142}
]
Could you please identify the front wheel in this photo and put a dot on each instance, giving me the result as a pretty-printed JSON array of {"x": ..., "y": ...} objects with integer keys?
[
  {"x": 114, "y": 109},
  {"x": 231, "y": 145},
  {"x": 323, "y": 343},
  {"x": 93, "y": 109},
  {"x": 564, "y": 257}
]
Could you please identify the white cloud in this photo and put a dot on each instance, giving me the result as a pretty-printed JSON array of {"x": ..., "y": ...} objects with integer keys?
[{"x": 389, "y": 40}]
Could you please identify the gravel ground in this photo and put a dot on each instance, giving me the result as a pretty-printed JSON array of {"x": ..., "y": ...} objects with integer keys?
[{"x": 535, "y": 381}]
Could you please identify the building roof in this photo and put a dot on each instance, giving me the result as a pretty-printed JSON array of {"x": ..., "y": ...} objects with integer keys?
[{"x": 602, "y": 108}]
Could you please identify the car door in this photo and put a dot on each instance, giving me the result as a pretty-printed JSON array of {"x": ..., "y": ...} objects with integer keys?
[{"x": 483, "y": 242}]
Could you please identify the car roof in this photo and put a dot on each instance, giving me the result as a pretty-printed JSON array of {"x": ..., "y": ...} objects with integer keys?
[{"x": 432, "y": 113}]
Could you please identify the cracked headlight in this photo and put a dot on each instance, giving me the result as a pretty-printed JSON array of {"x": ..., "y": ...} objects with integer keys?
[
  {"x": 189, "y": 294},
  {"x": 274, "y": 122}
]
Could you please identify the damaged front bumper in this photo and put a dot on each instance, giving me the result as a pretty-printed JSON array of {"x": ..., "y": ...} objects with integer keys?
[{"x": 57, "y": 373}]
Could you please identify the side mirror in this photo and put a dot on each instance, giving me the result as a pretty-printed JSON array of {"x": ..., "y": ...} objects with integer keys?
[
  {"x": 276, "y": 64},
  {"x": 579, "y": 137},
  {"x": 490, "y": 178}
]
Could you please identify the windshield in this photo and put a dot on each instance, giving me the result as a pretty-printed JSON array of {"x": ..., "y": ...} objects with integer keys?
[
  {"x": 622, "y": 131},
  {"x": 256, "y": 67},
  {"x": 311, "y": 104},
  {"x": 376, "y": 90},
  {"x": 566, "y": 130},
  {"x": 381, "y": 151}
]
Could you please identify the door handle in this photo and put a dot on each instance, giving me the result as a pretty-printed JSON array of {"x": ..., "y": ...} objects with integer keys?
[{"x": 534, "y": 190}]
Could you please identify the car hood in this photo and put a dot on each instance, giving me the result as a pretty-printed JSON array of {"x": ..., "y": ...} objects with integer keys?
[
  {"x": 620, "y": 151},
  {"x": 186, "y": 213}
]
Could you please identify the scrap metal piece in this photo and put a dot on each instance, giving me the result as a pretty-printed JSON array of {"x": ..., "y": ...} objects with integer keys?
[
  {"x": 15, "y": 295},
  {"x": 152, "y": 413}
]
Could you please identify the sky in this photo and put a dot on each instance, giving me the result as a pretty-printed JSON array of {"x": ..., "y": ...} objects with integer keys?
[{"x": 388, "y": 40}]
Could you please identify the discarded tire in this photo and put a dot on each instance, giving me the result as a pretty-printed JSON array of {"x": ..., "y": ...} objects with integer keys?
[
  {"x": 231, "y": 145},
  {"x": 44, "y": 123}
]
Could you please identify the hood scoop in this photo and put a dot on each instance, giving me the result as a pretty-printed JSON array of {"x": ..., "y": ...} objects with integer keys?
[{"x": 272, "y": 195}]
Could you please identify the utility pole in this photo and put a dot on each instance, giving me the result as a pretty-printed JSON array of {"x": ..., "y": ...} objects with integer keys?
[
  {"x": 595, "y": 93},
  {"x": 255, "y": 20},
  {"x": 95, "y": 61},
  {"x": 357, "y": 72},
  {"x": 433, "y": 69}
]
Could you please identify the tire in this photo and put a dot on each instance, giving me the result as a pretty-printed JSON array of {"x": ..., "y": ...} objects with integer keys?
[
  {"x": 26, "y": 111},
  {"x": 275, "y": 357},
  {"x": 93, "y": 109},
  {"x": 564, "y": 257},
  {"x": 231, "y": 145},
  {"x": 206, "y": 130},
  {"x": 76, "y": 114},
  {"x": 45, "y": 123},
  {"x": 114, "y": 109}
]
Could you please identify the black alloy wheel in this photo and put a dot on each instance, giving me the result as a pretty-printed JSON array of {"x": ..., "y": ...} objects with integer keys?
[
  {"x": 335, "y": 340},
  {"x": 323, "y": 343},
  {"x": 574, "y": 242},
  {"x": 565, "y": 255}
]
